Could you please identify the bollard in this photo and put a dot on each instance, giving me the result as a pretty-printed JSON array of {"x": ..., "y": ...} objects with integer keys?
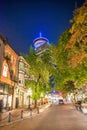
[
  {"x": 21, "y": 114},
  {"x": 30, "y": 112},
  {"x": 37, "y": 110},
  {"x": 9, "y": 117},
  {"x": 0, "y": 117}
]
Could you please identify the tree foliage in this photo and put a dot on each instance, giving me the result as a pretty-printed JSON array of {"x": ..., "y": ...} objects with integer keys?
[
  {"x": 39, "y": 74},
  {"x": 72, "y": 51}
]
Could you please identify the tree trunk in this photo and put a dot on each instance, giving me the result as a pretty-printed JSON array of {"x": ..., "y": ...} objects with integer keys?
[{"x": 35, "y": 103}]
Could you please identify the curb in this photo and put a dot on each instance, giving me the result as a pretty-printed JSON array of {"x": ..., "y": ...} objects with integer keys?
[{"x": 27, "y": 117}]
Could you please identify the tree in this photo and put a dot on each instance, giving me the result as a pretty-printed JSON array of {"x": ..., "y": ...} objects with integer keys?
[
  {"x": 39, "y": 75},
  {"x": 72, "y": 51}
]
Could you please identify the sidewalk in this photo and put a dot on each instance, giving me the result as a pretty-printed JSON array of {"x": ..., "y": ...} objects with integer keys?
[{"x": 9, "y": 117}]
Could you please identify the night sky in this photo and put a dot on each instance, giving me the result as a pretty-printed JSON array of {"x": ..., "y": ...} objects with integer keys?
[{"x": 21, "y": 21}]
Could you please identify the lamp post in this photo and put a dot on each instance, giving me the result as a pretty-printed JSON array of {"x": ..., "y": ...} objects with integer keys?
[
  {"x": 29, "y": 102},
  {"x": 30, "y": 93}
]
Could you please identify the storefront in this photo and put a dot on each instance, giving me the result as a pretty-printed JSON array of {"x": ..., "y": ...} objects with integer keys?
[{"x": 6, "y": 96}]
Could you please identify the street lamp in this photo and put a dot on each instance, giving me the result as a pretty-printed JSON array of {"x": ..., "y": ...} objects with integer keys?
[{"x": 30, "y": 93}]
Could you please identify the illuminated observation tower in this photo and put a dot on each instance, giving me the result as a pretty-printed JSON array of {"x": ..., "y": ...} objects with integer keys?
[{"x": 40, "y": 44}]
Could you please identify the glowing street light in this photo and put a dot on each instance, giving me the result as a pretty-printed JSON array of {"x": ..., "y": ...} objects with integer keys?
[{"x": 30, "y": 93}]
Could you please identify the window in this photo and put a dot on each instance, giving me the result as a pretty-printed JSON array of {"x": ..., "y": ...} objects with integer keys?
[
  {"x": 21, "y": 66},
  {"x": 20, "y": 81},
  {"x": 5, "y": 71}
]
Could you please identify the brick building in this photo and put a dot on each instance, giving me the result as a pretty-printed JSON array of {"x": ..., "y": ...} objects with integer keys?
[
  {"x": 2, "y": 47},
  {"x": 8, "y": 74}
]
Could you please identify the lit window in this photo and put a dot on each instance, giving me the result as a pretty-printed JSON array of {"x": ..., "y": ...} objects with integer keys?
[{"x": 5, "y": 70}]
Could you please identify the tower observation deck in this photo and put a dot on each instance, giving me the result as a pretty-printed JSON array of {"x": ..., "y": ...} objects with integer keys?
[{"x": 40, "y": 44}]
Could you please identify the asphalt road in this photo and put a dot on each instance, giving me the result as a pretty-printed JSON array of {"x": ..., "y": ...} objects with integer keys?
[{"x": 57, "y": 117}]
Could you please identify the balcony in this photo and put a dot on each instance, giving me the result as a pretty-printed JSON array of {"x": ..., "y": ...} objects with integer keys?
[{"x": 7, "y": 56}]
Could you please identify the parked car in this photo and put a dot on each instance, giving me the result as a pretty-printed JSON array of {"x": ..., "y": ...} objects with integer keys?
[{"x": 61, "y": 101}]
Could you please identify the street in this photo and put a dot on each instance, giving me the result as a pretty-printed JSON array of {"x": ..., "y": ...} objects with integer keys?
[{"x": 56, "y": 117}]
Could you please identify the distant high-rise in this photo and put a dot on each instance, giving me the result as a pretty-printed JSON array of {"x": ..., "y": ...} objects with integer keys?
[{"x": 40, "y": 44}]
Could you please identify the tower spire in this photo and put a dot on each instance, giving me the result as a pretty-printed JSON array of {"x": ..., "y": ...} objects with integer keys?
[{"x": 40, "y": 34}]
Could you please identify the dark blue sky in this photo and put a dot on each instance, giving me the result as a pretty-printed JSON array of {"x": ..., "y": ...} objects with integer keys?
[{"x": 21, "y": 21}]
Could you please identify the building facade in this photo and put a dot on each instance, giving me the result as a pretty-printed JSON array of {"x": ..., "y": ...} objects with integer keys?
[
  {"x": 2, "y": 47},
  {"x": 23, "y": 75},
  {"x": 8, "y": 75}
]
